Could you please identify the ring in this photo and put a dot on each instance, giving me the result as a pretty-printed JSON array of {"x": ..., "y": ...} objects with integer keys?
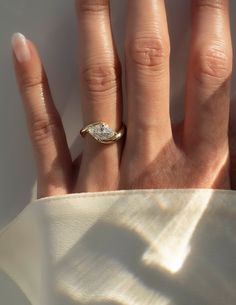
[{"x": 103, "y": 133}]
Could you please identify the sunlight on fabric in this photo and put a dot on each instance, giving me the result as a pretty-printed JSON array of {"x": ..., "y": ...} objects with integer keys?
[
  {"x": 171, "y": 247},
  {"x": 131, "y": 248},
  {"x": 166, "y": 228},
  {"x": 114, "y": 284}
]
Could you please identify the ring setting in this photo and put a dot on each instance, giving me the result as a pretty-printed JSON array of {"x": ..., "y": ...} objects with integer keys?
[{"x": 102, "y": 132}]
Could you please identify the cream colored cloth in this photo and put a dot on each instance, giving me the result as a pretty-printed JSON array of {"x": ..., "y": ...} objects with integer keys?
[{"x": 160, "y": 247}]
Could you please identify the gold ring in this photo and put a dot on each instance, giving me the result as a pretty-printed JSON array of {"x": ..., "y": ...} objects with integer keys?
[{"x": 103, "y": 133}]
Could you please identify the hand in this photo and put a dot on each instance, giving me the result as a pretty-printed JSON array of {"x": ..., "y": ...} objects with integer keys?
[{"x": 154, "y": 154}]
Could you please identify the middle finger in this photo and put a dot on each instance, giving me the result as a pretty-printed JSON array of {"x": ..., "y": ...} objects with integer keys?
[{"x": 147, "y": 65}]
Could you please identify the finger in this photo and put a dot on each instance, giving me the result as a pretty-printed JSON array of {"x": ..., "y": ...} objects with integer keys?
[
  {"x": 100, "y": 92},
  {"x": 147, "y": 65},
  {"x": 45, "y": 126},
  {"x": 208, "y": 87}
]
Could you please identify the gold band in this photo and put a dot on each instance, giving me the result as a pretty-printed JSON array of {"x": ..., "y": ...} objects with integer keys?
[{"x": 102, "y": 133}]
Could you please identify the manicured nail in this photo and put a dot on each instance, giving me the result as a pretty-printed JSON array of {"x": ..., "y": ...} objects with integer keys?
[{"x": 20, "y": 47}]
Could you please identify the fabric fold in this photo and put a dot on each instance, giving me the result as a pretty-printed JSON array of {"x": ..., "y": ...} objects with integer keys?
[{"x": 161, "y": 247}]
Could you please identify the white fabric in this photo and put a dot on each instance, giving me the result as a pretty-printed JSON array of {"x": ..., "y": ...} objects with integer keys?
[{"x": 162, "y": 247}]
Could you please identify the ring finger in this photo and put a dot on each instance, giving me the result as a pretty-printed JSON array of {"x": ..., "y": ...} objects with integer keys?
[{"x": 101, "y": 94}]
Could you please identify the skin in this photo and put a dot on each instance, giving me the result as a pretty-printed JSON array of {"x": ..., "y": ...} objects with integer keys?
[{"x": 154, "y": 153}]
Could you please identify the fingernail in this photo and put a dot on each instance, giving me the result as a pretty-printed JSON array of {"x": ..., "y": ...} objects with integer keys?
[{"x": 20, "y": 47}]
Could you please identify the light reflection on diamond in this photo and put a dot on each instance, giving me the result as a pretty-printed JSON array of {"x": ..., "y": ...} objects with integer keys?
[{"x": 101, "y": 131}]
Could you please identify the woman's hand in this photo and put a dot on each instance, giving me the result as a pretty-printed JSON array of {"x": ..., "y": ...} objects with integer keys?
[{"x": 154, "y": 154}]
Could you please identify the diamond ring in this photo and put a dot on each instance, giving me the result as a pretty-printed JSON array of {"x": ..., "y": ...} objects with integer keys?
[{"x": 102, "y": 133}]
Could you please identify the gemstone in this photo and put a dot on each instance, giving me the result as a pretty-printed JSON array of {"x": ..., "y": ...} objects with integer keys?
[{"x": 101, "y": 131}]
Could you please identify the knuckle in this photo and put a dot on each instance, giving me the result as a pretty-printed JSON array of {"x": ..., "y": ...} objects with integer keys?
[
  {"x": 43, "y": 129},
  {"x": 91, "y": 6},
  {"x": 213, "y": 64},
  {"x": 31, "y": 81},
  {"x": 150, "y": 52},
  {"x": 101, "y": 78},
  {"x": 212, "y": 4}
]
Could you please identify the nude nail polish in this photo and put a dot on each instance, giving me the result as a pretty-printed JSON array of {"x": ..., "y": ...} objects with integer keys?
[{"x": 20, "y": 47}]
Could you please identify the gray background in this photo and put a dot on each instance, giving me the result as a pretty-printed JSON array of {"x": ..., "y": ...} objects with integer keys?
[{"x": 52, "y": 26}]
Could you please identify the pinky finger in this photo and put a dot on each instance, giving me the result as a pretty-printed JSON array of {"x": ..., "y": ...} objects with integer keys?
[{"x": 46, "y": 131}]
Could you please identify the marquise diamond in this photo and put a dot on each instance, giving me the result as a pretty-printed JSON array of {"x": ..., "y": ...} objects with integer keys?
[{"x": 101, "y": 131}]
